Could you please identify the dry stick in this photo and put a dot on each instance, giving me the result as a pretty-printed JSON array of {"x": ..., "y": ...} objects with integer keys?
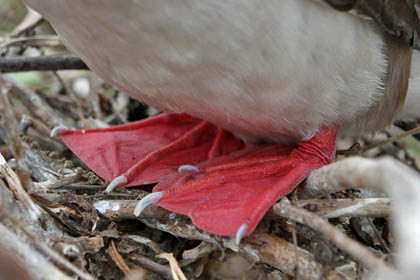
[
  {"x": 389, "y": 140},
  {"x": 34, "y": 230},
  {"x": 14, "y": 184},
  {"x": 95, "y": 88},
  {"x": 12, "y": 135},
  {"x": 17, "y": 148},
  {"x": 278, "y": 253},
  {"x": 176, "y": 271},
  {"x": 259, "y": 247},
  {"x": 152, "y": 266},
  {"x": 357, "y": 149},
  {"x": 4, "y": 150},
  {"x": 63, "y": 180},
  {"x": 51, "y": 253},
  {"x": 294, "y": 237},
  {"x": 385, "y": 175},
  {"x": 358, "y": 207},
  {"x": 16, "y": 187},
  {"x": 32, "y": 261},
  {"x": 118, "y": 260},
  {"x": 144, "y": 241},
  {"x": 29, "y": 121},
  {"x": 41, "y": 63},
  {"x": 72, "y": 95},
  {"x": 203, "y": 249},
  {"x": 30, "y": 22},
  {"x": 348, "y": 245},
  {"x": 40, "y": 40},
  {"x": 34, "y": 103},
  {"x": 379, "y": 236},
  {"x": 7, "y": 211}
]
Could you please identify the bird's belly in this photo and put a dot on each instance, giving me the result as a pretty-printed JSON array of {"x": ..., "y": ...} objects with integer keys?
[
  {"x": 269, "y": 115},
  {"x": 276, "y": 70}
]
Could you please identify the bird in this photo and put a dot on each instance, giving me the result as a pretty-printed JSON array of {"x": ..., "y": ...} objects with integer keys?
[{"x": 254, "y": 94}]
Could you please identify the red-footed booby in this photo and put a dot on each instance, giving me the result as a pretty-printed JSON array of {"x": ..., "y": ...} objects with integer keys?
[{"x": 255, "y": 92}]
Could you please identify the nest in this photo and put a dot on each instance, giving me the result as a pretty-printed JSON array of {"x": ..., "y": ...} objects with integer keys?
[{"x": 57, "y": 221}]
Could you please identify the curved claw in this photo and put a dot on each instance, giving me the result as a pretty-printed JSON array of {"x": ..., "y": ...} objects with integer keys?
[
  {"x": 57, "y": 130},
  {"x": 145, "y": 201},
  {"x": 188, "y": 168},
  {"x": 240, "y": 234},
  {"x": 115, "y": 183}
]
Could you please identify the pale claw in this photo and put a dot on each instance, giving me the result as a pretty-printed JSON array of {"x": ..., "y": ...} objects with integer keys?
[
  {"x": 240, "y": 233},
  {"x": 57, "y": 130},
  {"x": 145, "y": 201},
  {"x": 188, "y": 168},
  {"x": 115, "y": 183}
]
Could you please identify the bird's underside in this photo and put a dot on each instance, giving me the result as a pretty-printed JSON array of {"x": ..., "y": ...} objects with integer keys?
[{"x": 224, "y": 62}]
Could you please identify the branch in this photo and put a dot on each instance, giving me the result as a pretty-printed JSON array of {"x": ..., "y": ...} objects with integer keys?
[
  {"x": 33, "y": 102},
  {"x": 350, "y": 207},
  {"x": 384, "y": 175},
  {"x": 28, "y": 259},
  {"x": 259, "y": 247},
  {"x": 42, "y": 63},
  {"x": 351, "y": 247},
  {"x": 150, "y": 265}
]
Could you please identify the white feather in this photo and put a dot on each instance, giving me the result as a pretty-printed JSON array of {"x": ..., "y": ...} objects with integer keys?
[{"x": 273, "y": 69}]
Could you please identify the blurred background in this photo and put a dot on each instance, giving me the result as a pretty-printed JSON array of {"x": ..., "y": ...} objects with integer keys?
[{"x": 11, "y": 14}]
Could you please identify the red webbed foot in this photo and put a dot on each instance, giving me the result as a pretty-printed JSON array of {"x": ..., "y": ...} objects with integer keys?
[
  {"x": 206, "y": 173},
  {"x": 143, "y": 152}
]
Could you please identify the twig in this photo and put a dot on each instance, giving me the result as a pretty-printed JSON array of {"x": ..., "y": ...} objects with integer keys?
[
  {"x": 259, "y": 247},
  {"x": 385, "y": 175},
  {"x": 41, "y": 63},
  {"x": 36, "y": 227},
  {"x": 203, "y": 249},
  {"x": 51, "y": 253},
  {"x": 12, "y": 137},
  {"x": 378, "y": 236},
  {"x": 40, "y": 40},
  {"x": 296, "y": 254},
  {"x": 12, "y": 212},
  {"x": 46, "y": 170},
  {"x": 389, "y": 140},
  {"x": 118, "y": 260},
  {"x": 353, "y": 150},
  {"x": 29, "y": 121},
  {"x": 31, "y": 20},
  {"x": 280, "y": 254},
  {"x": 35, "y": 104},
  {"x": 55, "y": 183},
  {"x": 351, "y": 247},
  {"x": 176, "y": 271},
  {"x": 69, "y": 92},
  {"x": 15, "y": 185},
  {"x": 29, "y": 259},
  {"x": 4, "y": 150},
  {"x": 80, "y": 187},
  {"x": 152, "y": 266},
  {"x": 358, "y": 207},
  {"x": 144, "y": 241}
]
